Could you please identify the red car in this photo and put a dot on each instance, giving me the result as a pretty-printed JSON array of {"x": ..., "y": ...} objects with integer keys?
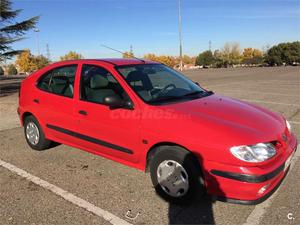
[{"x": 148, "y": 116}]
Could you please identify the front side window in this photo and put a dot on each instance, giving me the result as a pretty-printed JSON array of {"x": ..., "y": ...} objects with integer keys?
[
  {"x": 156, "y": 83},
  {"x": 59, "y": 81},
  {"x": 98, "y": 83}
]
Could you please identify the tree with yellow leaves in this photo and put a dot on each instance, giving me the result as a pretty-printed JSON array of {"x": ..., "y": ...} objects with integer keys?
[
  {"x": 150, "y": 56},
  {"x": 128, "y": 55},
  {"x": 252, "y": 56},
  {"x": 26, "y": 61},
  {"x": 71, "y": 55},
  {"x": 165, "y": 59}
]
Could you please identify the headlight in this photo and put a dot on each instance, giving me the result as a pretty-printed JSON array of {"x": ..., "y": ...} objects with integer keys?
[
  {"x": 254, "y": 153},
  {"x": 288, "y": 125}
]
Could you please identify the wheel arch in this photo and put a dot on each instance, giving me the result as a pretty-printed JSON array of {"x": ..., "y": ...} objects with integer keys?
[
  {"x": 24, "y": 115},
  {"x": 151, "y": 152}
]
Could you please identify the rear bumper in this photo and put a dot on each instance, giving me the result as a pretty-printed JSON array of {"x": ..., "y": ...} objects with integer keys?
[{"x": 247, "y": 185}]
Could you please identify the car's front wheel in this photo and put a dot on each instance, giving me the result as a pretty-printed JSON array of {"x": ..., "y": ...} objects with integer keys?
[
  {"x": 34, "y": 134},
  {"x": 176, "y": 175}
]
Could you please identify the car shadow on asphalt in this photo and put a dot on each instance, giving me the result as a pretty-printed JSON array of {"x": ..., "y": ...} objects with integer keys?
[
  {"x": 196, "y": 213},
  {"x": 200, "y": 211}
]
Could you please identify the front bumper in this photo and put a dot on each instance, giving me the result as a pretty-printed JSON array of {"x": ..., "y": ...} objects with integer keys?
[{"x": 247, "y": 185}]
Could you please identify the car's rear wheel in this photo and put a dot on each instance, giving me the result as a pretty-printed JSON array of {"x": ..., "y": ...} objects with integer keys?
[
  {"x": 34, "y": 134},
  {"x": 176, "y": 175}
]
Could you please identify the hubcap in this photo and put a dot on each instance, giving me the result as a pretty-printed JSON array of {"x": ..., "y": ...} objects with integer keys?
[
  {"x": 32, "y": 133},
  {"x": 172, "y": 178}
]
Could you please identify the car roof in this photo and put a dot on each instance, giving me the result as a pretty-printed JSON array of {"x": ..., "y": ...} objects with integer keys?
[{"x": 114, "y": 61}]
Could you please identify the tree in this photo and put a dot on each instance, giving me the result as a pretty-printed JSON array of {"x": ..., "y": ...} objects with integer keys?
[
  {"x": 12, "y": 31},
  {"x": 1, "y": 71},
  {"x": 257, "y": 53},
  {"x": 26, "y": 61},
  {"x": 284, "y": 53},
  {"x": 11, "y": 69},
  {"x": 165, "y": 59},
  {"x": 188, "y": 60},
  {"x": 71, "y": 55},
  {"x": 205, "y": 58},
  {"x": 235, "y": 54},
  {"x": 230, "y": 54},
  {"x": 150, "y": 56},
  {"x": 252, "y": 56},
  {"x": 128, "y": 55},
  {"x": 248, "y": 53},
  {"x": 41, "y": 61}
]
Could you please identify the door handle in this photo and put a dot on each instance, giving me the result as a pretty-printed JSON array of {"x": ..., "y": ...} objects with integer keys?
[
  {"x": 82, "y": 112},
  {"x": 36, "y": 101}
]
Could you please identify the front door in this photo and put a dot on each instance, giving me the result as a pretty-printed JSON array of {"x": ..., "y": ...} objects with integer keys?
[{"x": 113, "y": 133}]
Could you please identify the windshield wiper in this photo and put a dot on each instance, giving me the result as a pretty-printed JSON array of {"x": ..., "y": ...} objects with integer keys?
[
  {"x": 165, "y": 98},
  {"x": 203, "y": 93},
  {"x": 168, "y": 97},
  {"x": 192, "y": 93}
]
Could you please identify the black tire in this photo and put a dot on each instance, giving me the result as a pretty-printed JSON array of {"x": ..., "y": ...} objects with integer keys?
[
  {"x": 42, "y": 143},
  {"x": 186, "y": 159}
]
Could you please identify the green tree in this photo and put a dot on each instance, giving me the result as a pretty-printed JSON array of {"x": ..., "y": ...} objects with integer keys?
[
  {"x": 218, "y": 59},
  {"x": 11, "y": 69},
  {"x": 71, "y": 55},
  {"x": 284, "y": 53},
  {"x": 205, "y": 58},
  {"x": 12, "y": 31}
]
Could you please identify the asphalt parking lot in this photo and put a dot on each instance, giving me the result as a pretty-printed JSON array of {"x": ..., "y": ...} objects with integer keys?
[{"x": 115, "y": 188}]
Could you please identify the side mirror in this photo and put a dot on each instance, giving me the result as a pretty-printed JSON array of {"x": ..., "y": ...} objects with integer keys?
[{"x": 114, "y": 102}]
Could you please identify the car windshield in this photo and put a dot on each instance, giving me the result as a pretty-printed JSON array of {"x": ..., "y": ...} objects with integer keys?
[{"x": 157, "y": 83}]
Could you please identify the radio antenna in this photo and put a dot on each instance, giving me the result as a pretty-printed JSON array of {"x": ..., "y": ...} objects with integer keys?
[{"x": 124, "y": 53}]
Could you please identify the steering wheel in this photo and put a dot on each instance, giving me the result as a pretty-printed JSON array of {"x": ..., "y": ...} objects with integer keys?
[{"x": 164, "y": 90}]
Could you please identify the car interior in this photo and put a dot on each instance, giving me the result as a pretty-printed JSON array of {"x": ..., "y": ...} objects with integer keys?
[
  {"x": 58, "y": 83},
  {"x": 140, "y": 83},
  {"x": 97, "y": 83}
]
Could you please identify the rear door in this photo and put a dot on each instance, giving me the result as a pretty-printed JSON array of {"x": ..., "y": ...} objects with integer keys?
[
  {"x": 114, "y": 133},
  {"x": 54, "y": 101}
]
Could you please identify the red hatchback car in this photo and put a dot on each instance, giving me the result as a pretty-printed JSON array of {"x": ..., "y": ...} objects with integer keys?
[{"x": 148, "y": 116}]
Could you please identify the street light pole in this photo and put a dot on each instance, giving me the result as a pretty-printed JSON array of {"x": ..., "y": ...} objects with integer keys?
[
  {"x": 36, "y": 30},
  {"x": 180, "y": 35}
]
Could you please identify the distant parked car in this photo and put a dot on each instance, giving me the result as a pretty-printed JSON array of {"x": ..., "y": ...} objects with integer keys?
[{"x": 148, "y": 116}]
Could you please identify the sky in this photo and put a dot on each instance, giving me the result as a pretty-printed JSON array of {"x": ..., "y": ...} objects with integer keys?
[{"x": 151, "y": 26}]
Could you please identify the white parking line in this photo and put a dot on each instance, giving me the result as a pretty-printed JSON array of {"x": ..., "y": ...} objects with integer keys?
[
  {"x": 257, "y": 214},
  {"x": 277, "y": 103},
  {"x": 66, "y": 195}
]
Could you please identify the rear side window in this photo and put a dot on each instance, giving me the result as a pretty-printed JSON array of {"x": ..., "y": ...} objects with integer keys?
[{"x": 59, "y": 81}]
